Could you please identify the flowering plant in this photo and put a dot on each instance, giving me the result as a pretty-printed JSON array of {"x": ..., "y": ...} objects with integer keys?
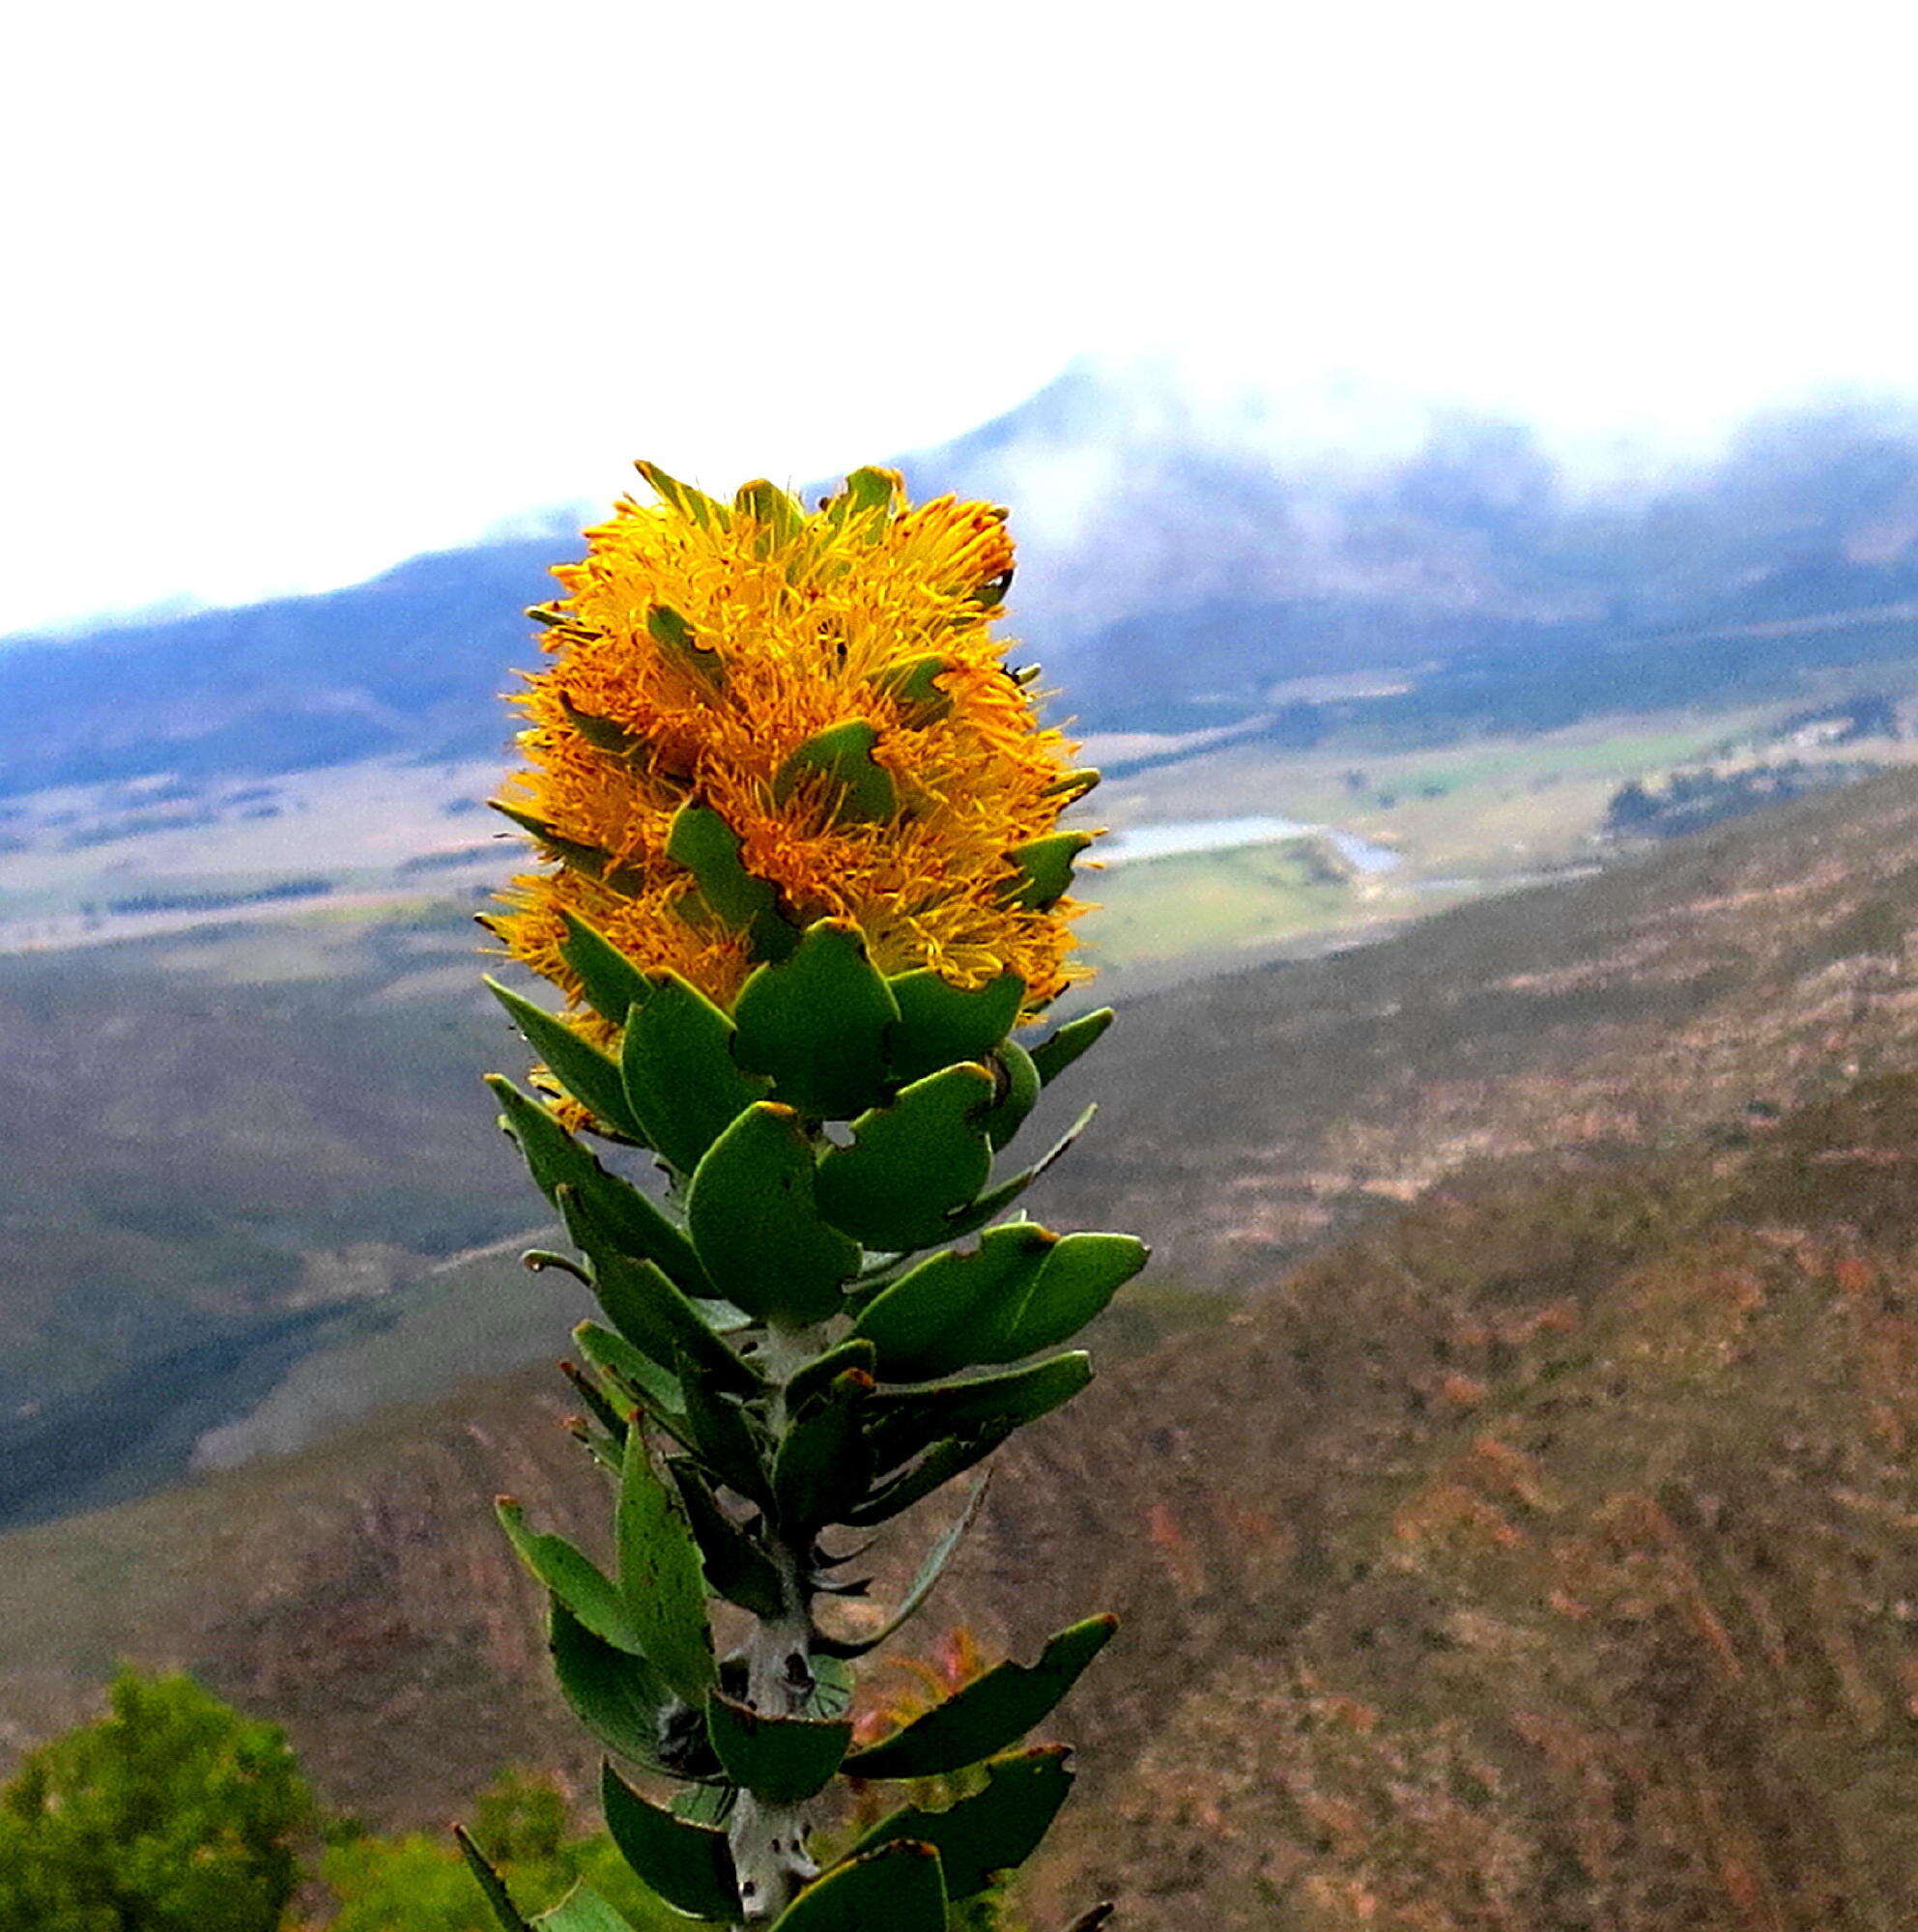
[{"x": 803, "y": 880}]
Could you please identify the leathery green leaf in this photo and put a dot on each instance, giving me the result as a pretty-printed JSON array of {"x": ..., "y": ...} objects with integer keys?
[
  {"x": 992, "y": 1203},
  {"x": 984, "y": 1717},
  {"x": 993, "y": 1830},
  {"x": 905, "y": 1421},
  {"x": 812, "y": 1377},
  {"x": 913, "y": 685},
  {"x": 591, "y": 1077},
  {"x": 924, "y": 1582},
  {"x": 940, "y": 1024},
  {"x": 897, "y": 1886},
  {"x": 1059, "y": 1049},
  {"x": 782, "y": 1760},
  {"x": 491, "y": 1885},
  {"x": 645, "y": 1306},
  {"x": 660, "y": 1577},
  {"x": 1077, "y": 1280},
  {"x": 612, "y": 983},
  {"x": 817, "y": 1023},
  {"x": 913, "y": 1163},
  {"x": 841, "y": 757},
  {"x": 823, "y": 1467},
  {"x": 617, "y": 1697},
  {"x": 1046, "y": 869},
  {"x": 588, "y": 859},
  {"x": 689, "y": 1865},
  {"x": 624, "y": 1219},
  {"x": 694, "y": 504},
  {"x": 952, "y": 1456},
  {"x": 736, "y": 1568},
  {"x": 769, "y": 504},
  {"x": 757, "y": 1224},
  {"x": 727, "y": 1441},
  {"x": 700, "y": 839},
  {"x": 927, "y": 1325},
  {"x": 1018, "y": 1092},
  {"x": 678, "y": 645},
  {"x": 632, "y": 1372},
  {"x": 682, "y": 1083},
  {"x": 573, "y": 1576},
  {"x": 583, "y": 1910}
]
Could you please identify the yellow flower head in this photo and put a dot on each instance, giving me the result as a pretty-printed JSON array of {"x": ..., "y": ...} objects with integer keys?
[{"x": 756, "y": 717}]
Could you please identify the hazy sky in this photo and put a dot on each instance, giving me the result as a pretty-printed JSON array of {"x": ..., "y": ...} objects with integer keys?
[{"x": 297, "y": 291}]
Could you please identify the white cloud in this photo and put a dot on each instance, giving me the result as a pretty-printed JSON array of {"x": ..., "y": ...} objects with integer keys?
[{"x": 299, "y": 290}]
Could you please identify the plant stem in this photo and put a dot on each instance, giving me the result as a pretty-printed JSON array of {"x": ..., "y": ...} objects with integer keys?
[{"x": 769, "y": 1840}]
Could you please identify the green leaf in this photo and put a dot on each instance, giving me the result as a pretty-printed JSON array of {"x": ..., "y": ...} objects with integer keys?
[
  {"x": 660, "y": 1578},
  {"x": 928, "y": 1323},
  {"x": 573, "y": 1576},
  {"x": 823, "y": 1465},
  {"x": 944, "y": 1460},
  {"x": 905, "y": 1421},
  {"x": 617, "y": 1697},
  {"x": 589, "y": 860},
  {"x": 1077, "y": 1280},
  {"x": 940, "y": 1024},
  {"x": 992, "y": 1711},
  {"x": 736, "y": 1568},
  {"x": 726, "y": 1439},
  {"x": 583, "y": 1910},
  {"x": 689, "y": 1865},
  {"x": 769, "y": 504},
  {"x": 782, "y": 1760},
  {"x": 590, "y": 1076},
  {"x": 925, "y": 1580},
  {"x": 1073, "y": 786},
  {"x": 626, "y": 1220},
  {"x": 610, "y": 1415},
  {"x": 1045, "y": 870},
  {"x": 810, "y": 1378},
  {"x": 898, "y": 1887},
  {"x": 700, "y": 839},
  {"x": 817, "y": 1023},
  {"x": 603, "y": 735},
  {"x": 681, "y": 649},
  {"x": 842, "y": 756},
  {"x": 913, "y": 1163},
  {"x": 913, "y": 685},
  {"x": 757, "y": 1225},
  {"x": 683, "y": 1086},
  {"x": 695, "y": 505},
  {"x": 613, "y": 985},
  {"x": 991, "y": 1204},
  {"x": 632, "y": 1371},
  {"x": 645, "y": 1306},
  {"x": 993, "y": 1830},
  {"x": 1058, "y": 1050},
  {"x": 491, "y": 1884},
  {"x": 871, "y": 489},
  {"x": 1018, "y": 1092}
]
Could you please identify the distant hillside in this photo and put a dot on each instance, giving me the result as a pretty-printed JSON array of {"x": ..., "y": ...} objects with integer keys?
[
  {"x": 1179, "y": 565},
  {"x": 1540, "y": 1559},
  {"x": 411, "y": 664},
  {"x": 339, "y": 1142},
  {"x": 1739, "y": 971}
]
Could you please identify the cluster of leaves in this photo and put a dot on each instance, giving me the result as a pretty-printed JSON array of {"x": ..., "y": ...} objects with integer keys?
[
  {"x": 173, "y": 1813},
  {"x": 784, "y": 1365}
]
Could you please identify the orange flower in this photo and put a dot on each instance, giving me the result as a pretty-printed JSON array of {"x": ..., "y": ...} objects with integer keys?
[{"x": 824, "y": 698}]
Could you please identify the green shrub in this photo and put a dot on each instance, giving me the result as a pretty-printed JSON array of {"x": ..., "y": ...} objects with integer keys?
[{"x": 173, "y": 1813}]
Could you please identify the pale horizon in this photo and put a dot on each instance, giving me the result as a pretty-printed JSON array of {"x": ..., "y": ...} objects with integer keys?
[{"x": 311, "y": 295}]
